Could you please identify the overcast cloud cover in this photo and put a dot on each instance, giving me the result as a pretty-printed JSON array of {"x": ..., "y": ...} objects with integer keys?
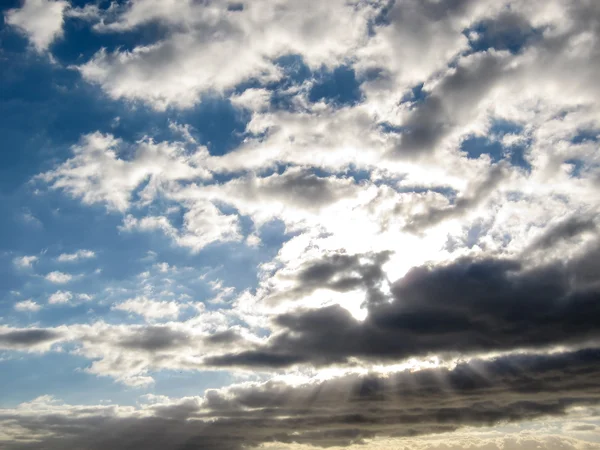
[{"x": 286, "y": 224}]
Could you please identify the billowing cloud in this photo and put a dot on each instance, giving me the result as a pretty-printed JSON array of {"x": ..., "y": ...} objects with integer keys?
[{"x": 194, "y": 56}]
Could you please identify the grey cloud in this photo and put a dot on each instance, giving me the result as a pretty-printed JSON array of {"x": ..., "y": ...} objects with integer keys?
[
  {"x": 507, "y": 31},
  {"x": 27, "y": 338},
  {"x": 465, "y": 307},
  {"x": 155, "y": 339},
  {"x": 341, "y": 273},
  {"x": 295, "y": 186},
  {"x": 433, "y": 216},
  {"x": 224, "y": 337},
  {"x": 340, "y": 411},
  {"x": 564, "y": 230},
  {"x": 451, "y": 101}
]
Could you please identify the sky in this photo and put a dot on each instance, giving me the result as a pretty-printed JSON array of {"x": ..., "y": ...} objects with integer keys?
[{"x": 298, "y": 225}]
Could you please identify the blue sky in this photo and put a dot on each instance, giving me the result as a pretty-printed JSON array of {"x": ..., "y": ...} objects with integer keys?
[{"x": 236, "y": 212}]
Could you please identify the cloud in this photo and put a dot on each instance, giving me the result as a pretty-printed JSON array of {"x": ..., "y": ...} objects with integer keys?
[
  {"x": 464, "y": 307},
  {"x": 193, "y": 56},
  {"x": 27, "y": 306},
  {"x": 563, "y": 231},
  {"x": 25, "y": 262},
  {"x": 463, "y": 165},
  {"x": 78, "y": 255},
  {"x": 60, "y": 297},
  {"x": 151, "y": 310},
  {"x": 40, "y": 20},
  {"x": 57, "y": 277},
  {"x": 28, "y": 339},
  {"x": 97, "y": 174},
  {"x": 348, "y": 410}
]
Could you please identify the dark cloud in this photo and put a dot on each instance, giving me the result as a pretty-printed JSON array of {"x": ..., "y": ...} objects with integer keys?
[
  {"x": 562, "y": 231},
  {"x": 155, "y": 339},
  {"x": 448, "y": 104},
  {"x": 224, "y": 337},
  {"x": 507, "y": 31},
  {"x": 27, "y": 338},
  {"x": 298, "y": 187},
  {"x": 339, "y": 272},
  {"x": 465, "y": 307},
  {"x": 340, "y": 411}
]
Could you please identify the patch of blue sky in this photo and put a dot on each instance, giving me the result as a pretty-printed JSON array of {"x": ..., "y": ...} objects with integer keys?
[
  {"x": 339, "y": 86},
  {"x": 215, "y": 123},
  {"x": 65, "y": 377},
  {"x": 80, "y": 41},
  {"x": 415, "y": 95},
  {"x": 508, "y": 32},
  {"x": 492, "y": 146},
  {"x": 577, "y": 167},
  {"x": 180, "y": 383},
  {"x": 60, "y": 374},
  {"x": 583, "y": 136}
]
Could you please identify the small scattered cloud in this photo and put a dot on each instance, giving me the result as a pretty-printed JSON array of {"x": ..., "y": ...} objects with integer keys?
[
  {"x": 57, "y": 277},
  {"x": 78, "y": 255},
  {"x": 60, "y": 297},
  {"x": 27, "y": 306},
  {"x": 25, "y": 262},
  {"x": 151, "y": 310}
]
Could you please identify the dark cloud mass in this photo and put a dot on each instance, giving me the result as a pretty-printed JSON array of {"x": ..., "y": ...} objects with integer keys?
[{"x": 464, "y": 307}]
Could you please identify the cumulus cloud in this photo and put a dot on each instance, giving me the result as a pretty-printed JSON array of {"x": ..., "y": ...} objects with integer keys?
[
  {"x": 60, "y": 297},
  {"x": 57, "y": 277},
  {"x": 194, "y": 56},
  {"x": 40, "y": 20}
]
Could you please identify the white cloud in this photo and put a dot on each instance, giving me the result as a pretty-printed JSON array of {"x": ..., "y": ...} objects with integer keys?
[
  {"x": 57, "y": 277},
  {"x": 78, "y": 255},
  {"x": 27, "y": 306},
  {"x": 60, "y": 297},
  {"x": 25, "y": 262},
  {"x": 203, "y": 224},
  {"x": 97, "y": 174},
  {"x": 195, "y": 57},
  {"x": 40, "y": 20},
  {"x": 151, "y": 310}
]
